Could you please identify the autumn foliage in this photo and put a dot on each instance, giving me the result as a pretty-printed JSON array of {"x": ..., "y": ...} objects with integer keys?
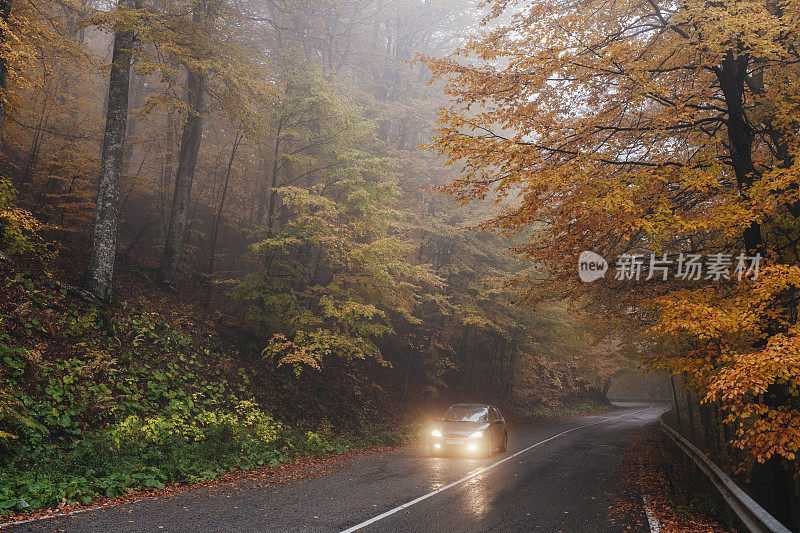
[
  {"x": 649, "y": 127},
  {"x": 255, "y": 171}
]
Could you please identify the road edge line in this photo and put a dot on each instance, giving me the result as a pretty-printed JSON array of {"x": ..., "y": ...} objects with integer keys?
[{"x": 652, "y": 519}]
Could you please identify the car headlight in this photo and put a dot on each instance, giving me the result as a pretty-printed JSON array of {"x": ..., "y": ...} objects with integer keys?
[
  {"x": 476, "y": 435},
  {"x": 436, "y": 433}
]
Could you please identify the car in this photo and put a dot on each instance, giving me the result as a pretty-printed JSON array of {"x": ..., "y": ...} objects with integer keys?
[{"x": 471, "y": 429}]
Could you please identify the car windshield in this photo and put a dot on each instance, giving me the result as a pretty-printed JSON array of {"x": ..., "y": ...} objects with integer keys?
[{"x": 466, "y": 413}]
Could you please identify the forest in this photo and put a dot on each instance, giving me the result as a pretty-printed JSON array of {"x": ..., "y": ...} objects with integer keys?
[
  {"x": 237, "y": 232},
  {"x": 660, "y": 135},
  {"x": 222, "y": 240}
]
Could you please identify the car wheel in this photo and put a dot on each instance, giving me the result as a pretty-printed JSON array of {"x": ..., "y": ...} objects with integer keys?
[{"x": 504, "y": 446}]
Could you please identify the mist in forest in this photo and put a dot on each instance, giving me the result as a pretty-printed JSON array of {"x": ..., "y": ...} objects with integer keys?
[{"x": 281, "y": 228}]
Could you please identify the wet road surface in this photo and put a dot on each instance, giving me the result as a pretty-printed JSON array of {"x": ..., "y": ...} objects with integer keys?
[{"x": 561, "y": 477}]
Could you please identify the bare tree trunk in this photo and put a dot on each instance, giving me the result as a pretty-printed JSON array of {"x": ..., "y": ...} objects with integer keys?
[
  {"x": 706, "y": 422},
  {"x": 273, "y": 195},
  {"x": 690, "y": 410},
  {"x": 100, "y": 271},
  {"x": 261, "y": 192},
  {"x": 187, "y": 161},
  {"x": 166, "y": 175},
  {"x": 213, "y": 247}
]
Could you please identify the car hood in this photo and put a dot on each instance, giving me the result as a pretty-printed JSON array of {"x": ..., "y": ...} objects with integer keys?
[{"x": 461, "y": 429}]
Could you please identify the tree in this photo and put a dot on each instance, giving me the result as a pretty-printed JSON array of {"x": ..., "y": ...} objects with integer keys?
[
  {"x": 187, "y": 161},
  {"x": 645, "y": 127},
  {"x": 100, "y": 270},
  {"x": 302, "y": 198},
  {"x": 184, "y": 176},
  {"x": 218, "y": 218},
  {"x": 5, "y": 19}
]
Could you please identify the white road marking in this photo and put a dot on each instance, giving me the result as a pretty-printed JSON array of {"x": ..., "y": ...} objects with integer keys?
[
  {"x": 479, "y": 472},
  {"x": 652, "y": 519}
]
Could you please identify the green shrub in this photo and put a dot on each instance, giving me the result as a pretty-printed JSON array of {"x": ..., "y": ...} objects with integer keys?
[
  {"x": 112, "y": 416},
  {"x": 145, "y": 453}
]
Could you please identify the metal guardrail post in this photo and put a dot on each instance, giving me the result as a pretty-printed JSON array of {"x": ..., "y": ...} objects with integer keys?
[{"x": 750, "y": 513}]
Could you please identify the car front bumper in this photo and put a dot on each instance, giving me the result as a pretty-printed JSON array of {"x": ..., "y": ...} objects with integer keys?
[{"x": 456, "y": 445}]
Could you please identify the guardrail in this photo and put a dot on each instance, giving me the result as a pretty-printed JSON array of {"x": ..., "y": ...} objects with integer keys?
[{"x": 752, "y": 515}]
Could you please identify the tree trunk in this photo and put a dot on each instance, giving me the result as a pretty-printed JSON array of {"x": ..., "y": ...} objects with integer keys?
[
  {"x": 689, "y": 409},
  {"x": 773, "y": 485},
  {"x": 166, "y": 174},
  {"x": 706, "y": 421},
  {"x": 215, "y": 233},
  {"x": 187, "y": 161},
  {"x": 136, "y": 97},
  {"x": 100, "y": 271},
  {"x": 606, "y": 386},
  {"x": 261, "y": 192},
  {"x": 731, "y": 75},
  {"x": 273, "y": 195},
  {"x": 677, "y": 406}
]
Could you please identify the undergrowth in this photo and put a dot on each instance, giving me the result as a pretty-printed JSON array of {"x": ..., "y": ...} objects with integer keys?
[{"x": 96, "y": 405}]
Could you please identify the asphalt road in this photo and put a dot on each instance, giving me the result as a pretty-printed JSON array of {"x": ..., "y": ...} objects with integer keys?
[{"x": 561, "y": 476}]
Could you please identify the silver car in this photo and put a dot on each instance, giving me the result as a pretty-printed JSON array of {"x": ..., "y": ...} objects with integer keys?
[{"x": 470, "y": 429}]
